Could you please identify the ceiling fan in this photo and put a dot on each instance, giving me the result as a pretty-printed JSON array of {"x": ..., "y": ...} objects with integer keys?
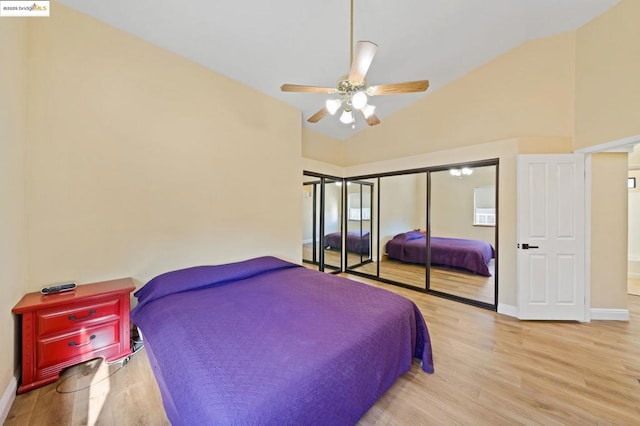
[{"x": 352, "y": 90}]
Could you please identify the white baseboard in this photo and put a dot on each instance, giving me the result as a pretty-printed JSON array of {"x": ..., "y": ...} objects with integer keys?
[
  {"x": 633, "y": 275},
  {"x": 310, "y": 240},
  {"x": 8, "y": 397},
  {"x": 509, "y": 310},
  {"x": 598, "y": 314}
]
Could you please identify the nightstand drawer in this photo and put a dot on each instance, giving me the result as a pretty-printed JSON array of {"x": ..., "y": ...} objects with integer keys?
[
  {"x": 76, "y": 316},
  {"x": 67, "y": 346}
]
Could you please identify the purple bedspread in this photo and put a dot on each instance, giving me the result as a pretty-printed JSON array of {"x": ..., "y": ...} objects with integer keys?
[
  {"x": 356, "y": 242},
  {"x": 470, "y": 255},
  {"x": 265, "y": 341}
]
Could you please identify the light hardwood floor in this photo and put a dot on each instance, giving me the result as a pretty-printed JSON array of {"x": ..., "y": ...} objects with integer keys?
[
  {"x": 491, "y": 369},
  {"x": 94, "y": 393}
]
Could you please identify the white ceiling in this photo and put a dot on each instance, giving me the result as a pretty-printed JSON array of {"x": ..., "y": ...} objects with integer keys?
[{"x": 264, "y": 44}]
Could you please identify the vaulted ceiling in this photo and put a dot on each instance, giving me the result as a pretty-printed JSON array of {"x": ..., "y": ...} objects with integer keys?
[{"x": 265, "y": 44}]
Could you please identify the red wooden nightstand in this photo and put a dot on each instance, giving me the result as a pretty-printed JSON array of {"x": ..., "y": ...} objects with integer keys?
[{"x": 60, "y": 330}]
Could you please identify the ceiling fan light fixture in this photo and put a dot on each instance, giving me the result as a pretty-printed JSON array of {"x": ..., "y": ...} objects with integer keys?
[
  {"x": 368, "y": 110},
  {"x": 333, "y": 105},
  {"x": 352, "y": 90},
  {"x": 346, "y": 117},
  {"x": 359, "y": 100}
]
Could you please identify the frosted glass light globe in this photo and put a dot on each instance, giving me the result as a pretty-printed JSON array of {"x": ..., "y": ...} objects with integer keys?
[
  {"x": 359, "y": 100},
  {"x": 346, "y": 117},
  {"x": 333, "y": 105}
]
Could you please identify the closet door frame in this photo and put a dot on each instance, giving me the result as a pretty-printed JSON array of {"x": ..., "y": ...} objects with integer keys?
[
  {"x": 485, "y": 163},
  {"x": 428, "y": 170},
  {"x": 322, "y": 184},
  {"x": 345, "y": 221}
]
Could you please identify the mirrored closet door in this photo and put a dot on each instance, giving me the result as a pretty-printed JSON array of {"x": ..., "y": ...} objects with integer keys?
[
  {"x": 432, "y": 230},
  {"x": 332, "y": 242},
  {"x": 462, "y": 232},
  {"x": 360, "y": 219},
  {"x": 403, "y": 219},
  {"x": 311, "y": 220},
  {"x": 322, "y": 236}
]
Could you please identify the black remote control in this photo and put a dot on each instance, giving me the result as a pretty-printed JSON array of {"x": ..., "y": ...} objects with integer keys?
[{"x": 58, "y": 288}]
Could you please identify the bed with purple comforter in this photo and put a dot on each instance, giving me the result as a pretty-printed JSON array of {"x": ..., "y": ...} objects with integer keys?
[
  {"x": 470, "y": 255},
  {"x": 357, "y": 241},
  {"x": 266, "y": 341}
]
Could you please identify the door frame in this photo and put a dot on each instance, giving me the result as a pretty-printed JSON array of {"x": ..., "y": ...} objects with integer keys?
[{"x": 618, "y": 145}]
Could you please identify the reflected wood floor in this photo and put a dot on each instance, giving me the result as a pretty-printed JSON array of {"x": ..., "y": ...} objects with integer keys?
[
  {"x": 471, "y": 286},
  {"x": 331, "y": 257},
  {"x": 491, "y": 369},
  {"x": 450, "y": 281}
]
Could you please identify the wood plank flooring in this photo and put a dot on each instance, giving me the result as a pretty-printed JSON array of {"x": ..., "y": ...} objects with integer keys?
[
  {"x": 94, "y": 393},
  {"x": 491, "y": 369}
]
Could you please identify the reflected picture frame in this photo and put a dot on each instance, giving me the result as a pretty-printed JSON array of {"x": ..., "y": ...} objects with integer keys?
[{"x": 631, "y": 182}]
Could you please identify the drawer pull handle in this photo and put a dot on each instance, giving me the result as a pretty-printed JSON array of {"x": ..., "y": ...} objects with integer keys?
[
  {"x": 73, "y": 317},
  {"x": 77, "y": 345}
]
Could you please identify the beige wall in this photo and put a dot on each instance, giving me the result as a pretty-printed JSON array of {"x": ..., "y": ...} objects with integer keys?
[
  {"x": 609, "y": 231},
  {"x": 607, "y": 70},
  {"x": 527, "y": 92},
  {"x": 140, "y": 161},
  {"x": 13, "y": 120},
  {"x": 322, "y": 147},
  {"x": 322, "y": 167}
]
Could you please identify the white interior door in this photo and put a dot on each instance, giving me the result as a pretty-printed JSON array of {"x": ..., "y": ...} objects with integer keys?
[{"x": 551, "y": 237}]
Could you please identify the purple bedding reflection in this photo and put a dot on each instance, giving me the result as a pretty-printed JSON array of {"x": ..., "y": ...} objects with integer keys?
[
  {"x": 470, "y": 255},
  {"x": 356, "y": 242},
  {"x": 265, "y": 341}
]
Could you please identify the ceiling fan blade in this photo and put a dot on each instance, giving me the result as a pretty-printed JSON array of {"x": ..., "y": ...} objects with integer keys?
[
  {"x": 307, "y": 89},
  {"x": 365, "y": 51},
  {"x": 395, "y": 88},
  {"x": 372, "y": 120},
  {"x": 318, "y": 116}
]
